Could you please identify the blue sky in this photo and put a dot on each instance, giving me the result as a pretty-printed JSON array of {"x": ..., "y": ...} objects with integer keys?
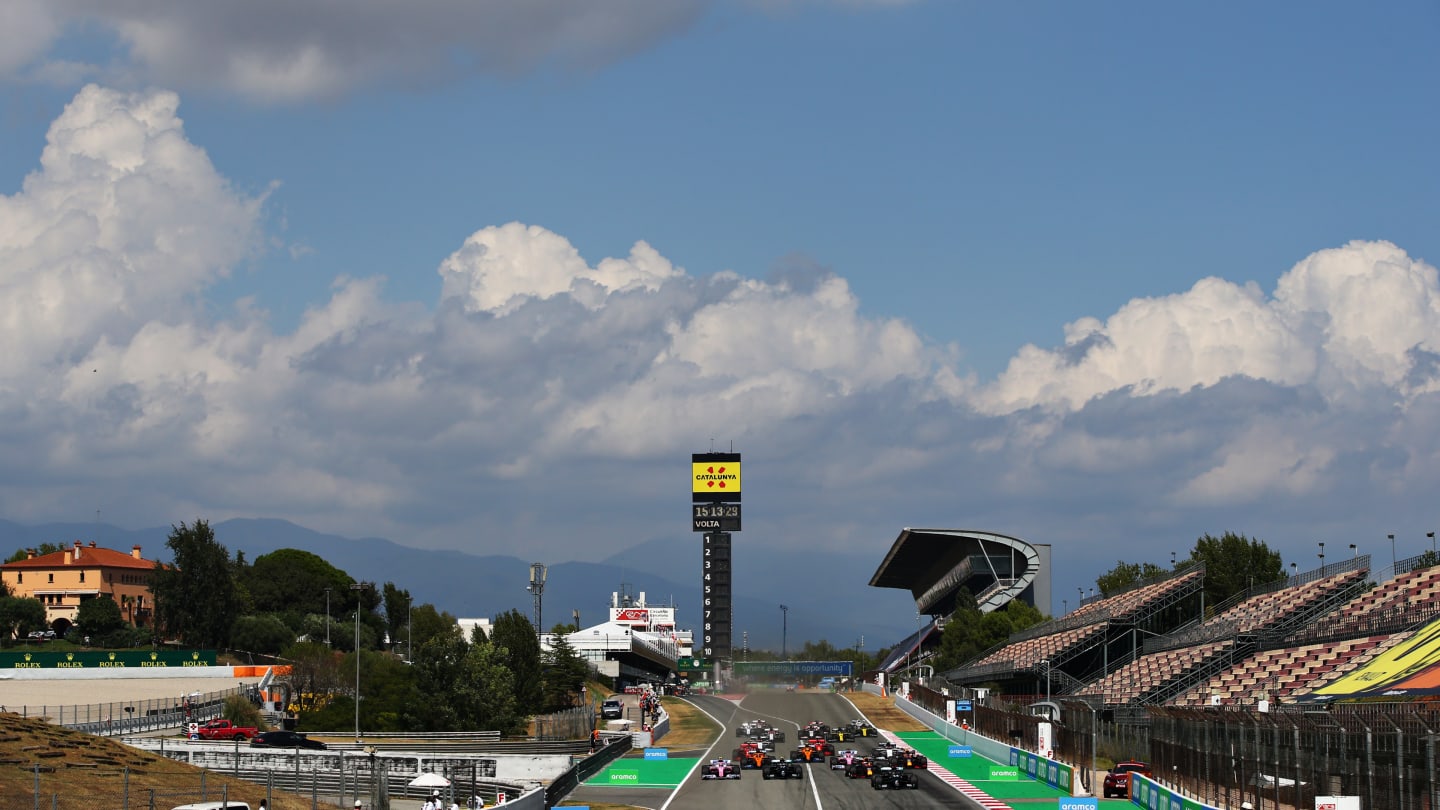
[{"x": 926, "y": 263}]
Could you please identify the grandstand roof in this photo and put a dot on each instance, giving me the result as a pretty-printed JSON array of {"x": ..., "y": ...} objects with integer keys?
[{"x": 934, "y": 564}]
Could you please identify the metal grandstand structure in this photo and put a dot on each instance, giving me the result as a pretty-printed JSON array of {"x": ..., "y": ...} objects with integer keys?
[{"x": 1069, "y": 652}]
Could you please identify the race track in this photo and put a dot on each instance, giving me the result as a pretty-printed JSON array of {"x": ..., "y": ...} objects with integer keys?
[{"x": 821, "y": 787}]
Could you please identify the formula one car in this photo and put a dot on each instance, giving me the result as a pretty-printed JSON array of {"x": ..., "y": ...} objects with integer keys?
[
  {"x": 910, "y": 759},
  {"x": 859, "y": 728},
  {"x": 814, "y": 728},
  {"x": 843, "y": 759},
  {"x": 750, "y": 728},
  {"x": 863, "y": 768},
  {"x": 888, "y": 778},
  {"x": 826, "y": 747},
  {"x": 808, "y": 753},
  {"x": 769, "y": 735},
  {"x": 752, "y": 757},
  {"x": 782, "y": 769},
  {"x": 720, "y": 769}
]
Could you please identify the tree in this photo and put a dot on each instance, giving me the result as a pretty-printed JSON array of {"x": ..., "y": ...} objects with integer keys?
[
  {"x": 486, "y": 692},
  {"x": 428, "y": 623},
  {"x": 1233, "y": 563},
  {"x": 398, "y": 607},
  {"x": 438, "y": 667},
  {"x": 40, "y": 551},
  {"x": 19, "y": 615},
  {"x": 515, "y": 636},
  {"x": 565, "y": 673},
  {"x": 195, "y": 597},
  {"x": 968, "y": 632},
  {"x": 289, "y": 579},
  {"x": 1126, "y": 575},
  {"x": 314, "y": 669},
  {"x": 261, "y": 634},
  {"x": 99, "y": 616}
]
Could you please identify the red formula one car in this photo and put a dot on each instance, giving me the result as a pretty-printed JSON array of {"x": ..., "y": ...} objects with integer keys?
[
  {"x": 910, "y": 759},
  {"x": 751, "y": 756},
  {"x": 808, "y": 753},
  {"x": 720, "y": 769}
]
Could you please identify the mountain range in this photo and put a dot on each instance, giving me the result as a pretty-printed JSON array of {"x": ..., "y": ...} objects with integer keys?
[{"x": 826, "y": 592}]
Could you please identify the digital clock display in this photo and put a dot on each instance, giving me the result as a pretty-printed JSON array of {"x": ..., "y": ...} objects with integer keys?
[{"x": 715, "y": 517}]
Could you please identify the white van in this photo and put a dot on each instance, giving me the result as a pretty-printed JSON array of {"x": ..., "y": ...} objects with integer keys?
[{"x": 215, "y": 806}]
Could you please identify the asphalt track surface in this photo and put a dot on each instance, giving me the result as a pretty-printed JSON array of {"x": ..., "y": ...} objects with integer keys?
[{"x": 821, "y": 789}]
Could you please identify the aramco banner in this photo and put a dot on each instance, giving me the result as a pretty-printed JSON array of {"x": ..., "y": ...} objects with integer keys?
[{"x": 107, "y": 659}]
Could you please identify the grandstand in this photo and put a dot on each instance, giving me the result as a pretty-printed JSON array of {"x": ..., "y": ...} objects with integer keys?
[
  {"x": 1276, "y": 642},
  {"x": 1281, "y": 674},
  {"x": 1065, "y": 650},
  {"x": 1276, "y": 689}
]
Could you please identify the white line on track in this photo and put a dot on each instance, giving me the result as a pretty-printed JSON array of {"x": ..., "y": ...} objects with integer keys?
[
  {"x": 814, "y": 789},
  {"x": 704, "y": 758},
  {"x": 724, "y": 728}
]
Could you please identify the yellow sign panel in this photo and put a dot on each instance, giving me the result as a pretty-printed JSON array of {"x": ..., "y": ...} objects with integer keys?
[
  {"x": 1396, "y": 668},
  {"x": 715, "y": 478}
]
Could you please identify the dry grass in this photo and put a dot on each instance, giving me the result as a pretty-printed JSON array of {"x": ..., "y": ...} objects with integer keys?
[
  {"x": 79, "y": 767},
  {"x": 883, "y": 712},
  {"x": 689, "y": 728}
]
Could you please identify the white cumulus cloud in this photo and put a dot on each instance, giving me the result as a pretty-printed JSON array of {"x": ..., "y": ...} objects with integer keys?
[
  {"x": 543, "y": 378},
  {"x": 1343, "y": 317},
  {"x": 122, "y": 223}
]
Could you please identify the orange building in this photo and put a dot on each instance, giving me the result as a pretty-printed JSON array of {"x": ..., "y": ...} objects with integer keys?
[{"x": 64, "y": 579}]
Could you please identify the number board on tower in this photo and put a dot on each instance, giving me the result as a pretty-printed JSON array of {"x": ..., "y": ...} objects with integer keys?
[{"x": 716, "y": 596}]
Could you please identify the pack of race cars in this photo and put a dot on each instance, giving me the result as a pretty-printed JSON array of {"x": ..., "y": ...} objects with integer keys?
[{"x": 887, "y": 766}]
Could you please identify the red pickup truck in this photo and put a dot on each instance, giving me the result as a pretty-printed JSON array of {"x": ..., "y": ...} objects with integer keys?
[{"x": 225, "y": 730}]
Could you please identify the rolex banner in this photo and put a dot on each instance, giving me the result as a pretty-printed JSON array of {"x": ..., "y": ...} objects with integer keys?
[{"x": 106, "y": 659}]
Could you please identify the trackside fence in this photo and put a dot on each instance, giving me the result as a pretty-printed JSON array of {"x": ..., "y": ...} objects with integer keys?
[
  {"x": 617, "y": 747},
  {"x": 1281, "y": 759},
  {"x": 132, "y": 716}
]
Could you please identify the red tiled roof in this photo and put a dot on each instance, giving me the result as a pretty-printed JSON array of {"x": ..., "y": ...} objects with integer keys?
[{"x": 95, "y": 557}]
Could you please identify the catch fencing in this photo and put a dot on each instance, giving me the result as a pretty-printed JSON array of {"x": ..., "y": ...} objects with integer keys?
[
  {"x": 1284, "y": 758},
  {"x": 1280, "y": 759},
  {"x": 134, "y": 716},
  {"x": 571, "y": 724},
  {"x": 370, "y": 782}
]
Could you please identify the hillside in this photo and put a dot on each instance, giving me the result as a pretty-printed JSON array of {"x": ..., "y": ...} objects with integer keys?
[
  {"x": 827, "y": 591},
  {"x": 78, "y": 771}
]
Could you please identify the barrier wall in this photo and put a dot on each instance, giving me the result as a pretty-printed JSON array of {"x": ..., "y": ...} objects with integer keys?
[
  {"x": 1146, "y": 792},
  {"x": 1055, "y": 774},
  {"x": 128, "y": 673},
  {"x": 986, "y": 747}
]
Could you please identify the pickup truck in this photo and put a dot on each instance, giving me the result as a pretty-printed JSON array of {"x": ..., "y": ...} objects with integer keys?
[{"x": 225, "y": 730}]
